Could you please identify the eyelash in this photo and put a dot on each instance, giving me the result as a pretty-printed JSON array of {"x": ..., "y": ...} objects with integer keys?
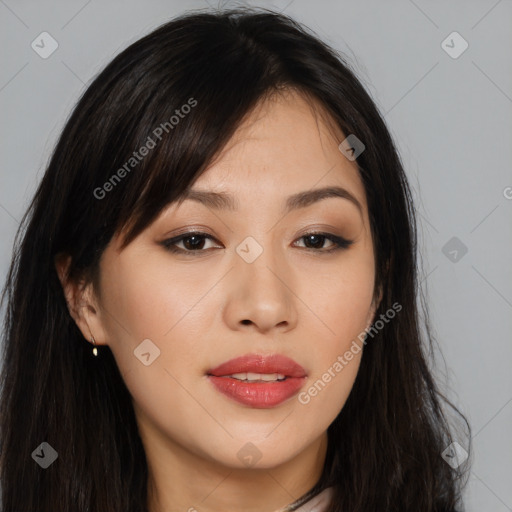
[{"x": 339, "y": 242}]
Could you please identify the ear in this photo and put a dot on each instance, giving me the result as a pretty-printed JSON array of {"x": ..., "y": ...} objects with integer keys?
[
  {"x": 373, "y": 309},
  {"x": 81, "y": 301},
  {"x": 377, "y": 297}
]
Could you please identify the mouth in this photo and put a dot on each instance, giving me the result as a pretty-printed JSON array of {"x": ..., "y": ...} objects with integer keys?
[{"x": 258, "y": 381}]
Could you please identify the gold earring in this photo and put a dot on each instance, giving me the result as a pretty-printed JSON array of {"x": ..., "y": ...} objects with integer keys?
[{"x": 95, "y": 349}]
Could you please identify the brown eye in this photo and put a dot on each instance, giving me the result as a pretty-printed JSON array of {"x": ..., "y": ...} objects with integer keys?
[
  {"x": 316, "y": 241},
  {"x": 191, "y": 242},
  {"x": 194, "y": 243}
]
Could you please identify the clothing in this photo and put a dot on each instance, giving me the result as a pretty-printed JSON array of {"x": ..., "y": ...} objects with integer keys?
[{"x": 316, "y": 504}]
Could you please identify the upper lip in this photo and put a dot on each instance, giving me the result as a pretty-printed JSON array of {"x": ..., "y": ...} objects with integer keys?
[{"x": 257, "y": 363}]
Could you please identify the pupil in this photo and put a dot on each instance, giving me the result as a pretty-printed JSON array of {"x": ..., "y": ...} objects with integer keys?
[
  {"x": 197, "y": 244},
  {"x": 317, "y": 240}
]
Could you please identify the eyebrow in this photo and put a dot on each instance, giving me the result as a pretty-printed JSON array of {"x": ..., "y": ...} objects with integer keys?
[{"x": 225, "y": 201}]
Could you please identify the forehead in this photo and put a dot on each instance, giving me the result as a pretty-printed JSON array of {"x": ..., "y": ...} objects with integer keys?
[{"x": 287, "y": 143}]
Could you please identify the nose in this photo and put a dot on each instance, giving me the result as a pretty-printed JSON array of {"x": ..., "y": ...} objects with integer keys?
[{"x": 260, "y": 295}]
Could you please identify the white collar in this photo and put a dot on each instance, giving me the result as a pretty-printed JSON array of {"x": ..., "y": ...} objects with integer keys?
[{"x": 316, "y": 504}]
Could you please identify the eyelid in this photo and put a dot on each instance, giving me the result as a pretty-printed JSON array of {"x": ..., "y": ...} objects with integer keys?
[
  {"x": 190, "y": 230},
  {"x": 169, "y": 242},
  {"x": 340, "y": 243}
]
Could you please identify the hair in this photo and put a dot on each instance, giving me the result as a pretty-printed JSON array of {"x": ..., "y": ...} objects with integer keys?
[{"x": 384, "y": 447}]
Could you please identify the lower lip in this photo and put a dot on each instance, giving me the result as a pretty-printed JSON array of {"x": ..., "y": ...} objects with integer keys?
[{"x": 261, "y": 395}]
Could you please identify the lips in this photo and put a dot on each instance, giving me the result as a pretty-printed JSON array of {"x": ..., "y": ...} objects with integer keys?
[{"x": 258, "y": 381}]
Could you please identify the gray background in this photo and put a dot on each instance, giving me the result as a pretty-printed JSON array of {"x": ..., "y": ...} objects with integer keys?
[{"x": 451, "y": 119}]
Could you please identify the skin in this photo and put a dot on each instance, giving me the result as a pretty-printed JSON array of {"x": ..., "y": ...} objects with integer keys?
[{"x": 203, "y": 310}]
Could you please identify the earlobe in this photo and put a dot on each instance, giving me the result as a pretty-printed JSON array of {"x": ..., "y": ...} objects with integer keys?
[
  {"x": 89, "y": 320},
  {"x": 80, "y": 301}
]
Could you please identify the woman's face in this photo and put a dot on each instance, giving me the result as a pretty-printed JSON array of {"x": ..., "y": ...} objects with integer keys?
[{"x": 253, "y": 284}]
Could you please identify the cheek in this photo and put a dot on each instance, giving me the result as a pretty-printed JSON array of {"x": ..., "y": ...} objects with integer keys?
[
  {"x": 343, "y": 303},
  {"x": 341, "y": 297},
  {"x": 147, "y": 302},
  {"x": 336, "y": 362},
  {"x": 149, "y": 297},
  {"x": 326, "y": 392},
  {"x": 143, "y": 300}
]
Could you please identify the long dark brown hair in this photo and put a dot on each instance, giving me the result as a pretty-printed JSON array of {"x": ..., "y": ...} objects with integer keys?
[{"x": 384, "y": 448}]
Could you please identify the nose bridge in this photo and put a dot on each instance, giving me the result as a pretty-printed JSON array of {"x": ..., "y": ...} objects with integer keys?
[
  {"x": 260, "y": 262},
  {"x": 262, "y": 284}
]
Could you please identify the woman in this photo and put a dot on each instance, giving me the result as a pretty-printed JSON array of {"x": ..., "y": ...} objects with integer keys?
[{"x": 213, "y": 300}]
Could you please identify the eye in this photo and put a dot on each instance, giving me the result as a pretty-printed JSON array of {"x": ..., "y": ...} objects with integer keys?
[
  {"x": 315, "y": 242},
  {"x": 193, "y": 242}
]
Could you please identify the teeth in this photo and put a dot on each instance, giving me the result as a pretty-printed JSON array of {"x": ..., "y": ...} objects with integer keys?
[
  {"x": 257, "y": 377},
  {"x": 261, "y": 376}
]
